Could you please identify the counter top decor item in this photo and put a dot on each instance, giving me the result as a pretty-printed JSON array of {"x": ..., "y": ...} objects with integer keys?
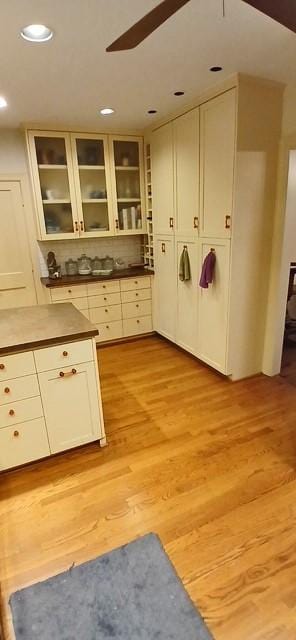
[
  {"x": 54, "y": 270},
  {"x": 71, "y": 267},
  {"x": 96, "y": 266},
  {"x": 84, "y": 265}
]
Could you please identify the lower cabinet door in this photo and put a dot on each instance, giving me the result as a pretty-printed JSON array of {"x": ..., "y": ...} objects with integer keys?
[
  {"x": 187, "y": 297},
  {"x": 165, "y": 286},
  {"x": 213, "y": 307},
  {"x": 135, "y": 326},
  {"x": 23, "y": 443},
  {"x": 71, "y": 409},
  {"x": 109, "y": 331}
]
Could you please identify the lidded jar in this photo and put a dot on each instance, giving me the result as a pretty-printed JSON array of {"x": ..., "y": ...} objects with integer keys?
[
  {"x": 96, "y": 266},
  {"x": 84, "y": 265},
  {"x": 71, "y": 267}
]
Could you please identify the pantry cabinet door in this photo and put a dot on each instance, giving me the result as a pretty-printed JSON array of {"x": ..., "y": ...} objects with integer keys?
[
  {"x": 162, "y": 168},
  {"x": 51, "y": 163},
  {"x": 165, "y": 287},
  {"x": 218, "y": 141},
  {"x": 186, "y": 144},
  {"x": 93, "y": 184},
  {"x": 71, "y": 406},
  {"x": 128, "y": 184},
  {"x": 187, "y": 296},
  {"x": 213, "y": 307}
]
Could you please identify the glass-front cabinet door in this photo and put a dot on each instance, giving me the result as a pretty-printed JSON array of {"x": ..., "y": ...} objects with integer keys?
[
  {"x": 128, "y": 185},
  {"x": 51, "y": 160},
  {"x": 92, "y": 181}
]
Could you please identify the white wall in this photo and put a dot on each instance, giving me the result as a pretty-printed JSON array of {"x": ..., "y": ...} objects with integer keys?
[
  {"x": 289, "y": 111},
  {"x": 12, "y": 152}
]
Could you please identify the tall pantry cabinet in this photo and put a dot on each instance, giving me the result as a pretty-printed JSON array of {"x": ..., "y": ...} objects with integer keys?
[{"x": 213, "y": 175}]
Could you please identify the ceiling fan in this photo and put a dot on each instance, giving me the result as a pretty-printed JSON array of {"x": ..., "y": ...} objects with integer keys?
[{"x": 283, "y": 11}]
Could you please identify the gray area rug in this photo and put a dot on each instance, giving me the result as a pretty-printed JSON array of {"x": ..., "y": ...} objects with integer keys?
[{"x": 132, "y": 593}]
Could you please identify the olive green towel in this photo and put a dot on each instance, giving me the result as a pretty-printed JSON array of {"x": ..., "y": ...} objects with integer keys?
[{"x": 184, "y": 266}]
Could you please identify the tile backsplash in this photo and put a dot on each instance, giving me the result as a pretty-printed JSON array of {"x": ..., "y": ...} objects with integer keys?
[{"x": 128, "y": 248}]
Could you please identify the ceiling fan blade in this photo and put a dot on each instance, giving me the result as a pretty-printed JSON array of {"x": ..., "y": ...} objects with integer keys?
[
  {"x": 283, "y": 11},
  {"x": 151, "y": 21}
]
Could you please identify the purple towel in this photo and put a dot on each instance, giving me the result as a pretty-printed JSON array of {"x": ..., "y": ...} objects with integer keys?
[{"x": 207, "y": 272}]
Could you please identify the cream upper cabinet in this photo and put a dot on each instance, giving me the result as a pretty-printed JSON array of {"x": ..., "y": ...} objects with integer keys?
[
  {"x": 16, "y": 275},
  {"x": 128, "y": 185},
  {"x": 93, "y": 184},
  {"x": 165, "y": 292},
  {"x": 213, "y": 307},
  {"x": 162, "y": 167},
  {"x": 217, "y": 158},
  {"x": 187, "y": 296},
  {"x": 53, "y": 180},
  {"x": 186, "y": 148}
]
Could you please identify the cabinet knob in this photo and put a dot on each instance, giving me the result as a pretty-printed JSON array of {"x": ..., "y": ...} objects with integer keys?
[
  {"x": 137, "y": 306},
  {"x": 104, "y": 286},
  {"x": 74, "y": 371},
  {"x": 136, "y": 282},
  {"x": 2, "y": 366},
  {"x": 11, "y": 412},
  {"x": 81, "y": 225},
  {"x": 65, "y": 353},
  {"x": 76, "y": 226},
  {"x": 107, "y": 326},
  {"x": 137, "y": 294},
  {"x": 116, "y": 224},
  {"x": 6, "y": 390},
  {"x": 106, "y": 310},
  {"x": 105, "y": 299},
  {"x": 138, "y": 321},
  {"x": 69, "y": 290},
  {"x": 16, "y": 434}
]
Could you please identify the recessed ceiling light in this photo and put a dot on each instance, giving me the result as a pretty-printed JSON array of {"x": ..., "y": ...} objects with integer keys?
[
  {"x": 152, "y": 111},
  {"x": 106, "y": 111},
  {"x": 179, "y": 93},
  {"x": 215, "y": 69},
  {"x": 3, "y": 102},
  {"x": 36, "y": 33}
]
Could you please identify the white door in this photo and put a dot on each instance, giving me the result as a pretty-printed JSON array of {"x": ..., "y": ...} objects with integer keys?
[
  {"x": 186, "y": 141},
  {"x": 71, "y": 406},
  {"x": 165, "y": 287},
  {"x": 213, "y": 307},
  {"x": 217, "y": 155},
  {"x": 16, "y": 273},
  {"x": 162, "y": 167},
  {"x": 187, "y": 297}
]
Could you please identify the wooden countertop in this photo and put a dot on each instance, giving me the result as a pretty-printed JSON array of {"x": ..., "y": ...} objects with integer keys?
[
  {"x": 64, "y": 281},
  {"x": 26, "y": 328}
]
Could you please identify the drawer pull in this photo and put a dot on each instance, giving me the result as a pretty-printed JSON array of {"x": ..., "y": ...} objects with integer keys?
[
  {"x": 69, "y": 290},
  {"x": 66, "y": 374},
  {"x": 171, "y": 223},
  {"x": 107, "y": 326},
  {"x": 138, "y": 321},
  {"x": 76, "y": 226},
  {"x": 105, "y": 299},
  {"x": 16, "y": 434},
  {"x": 137, "y": 306},
  {"x": 2, "y": 366},
  {"x": 65, "y": 353},
  {"x": 137, "y": 294},
  {"x": 227, "y": 222},
  {"x": 11, "y": 412},
  {"x": 104, "y": 286},
  {"x": 106, "y": 310},
  {"x": 6, "y": 390},
  {"x": 195, "y": 222},
  {"x": 136, "y": 282}
]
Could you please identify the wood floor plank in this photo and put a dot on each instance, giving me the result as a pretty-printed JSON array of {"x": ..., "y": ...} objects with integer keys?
[{"x": 207, "y": 464}]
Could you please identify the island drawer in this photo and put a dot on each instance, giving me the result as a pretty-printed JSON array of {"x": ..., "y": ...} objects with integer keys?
[
  {"x": 109, "y": 331},
  {"x": 103, "y": 300},
  {"x": 97, "y": 288},
  {"x": 135, "y": 309},
  {"x": 66, "y": 293},
  {"x": 16, "y": 365},
  {"x": 23, "y": 443},
  {"x": 129, "y": 284},
  {"x": 20, "y": 411},
  {"x": 79, "y": 303},
  {"x": 19, "y": 389},
  {"x": 63, "y": 355},
  {"x": 135, "y": 295},
  {"x": 133, "y": 326},
  {"x": 105, "y": 314}
]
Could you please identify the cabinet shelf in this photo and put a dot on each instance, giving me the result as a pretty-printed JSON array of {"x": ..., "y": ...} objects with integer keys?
[
  {"x": 57, "y": 201},
  {"x": 118, "y": 168},
  {"x": 95, "y": 200},
  {"x": 91, "y": 167},
  {"x": 52, "y": 166},
  {"x": 128, "y": 199}
]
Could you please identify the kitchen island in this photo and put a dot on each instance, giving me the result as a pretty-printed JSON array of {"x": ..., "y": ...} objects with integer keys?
[{"x": 50, "y": 398}]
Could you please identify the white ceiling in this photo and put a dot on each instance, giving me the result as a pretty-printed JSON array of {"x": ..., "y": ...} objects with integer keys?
[{"x": 67, "y": 79}]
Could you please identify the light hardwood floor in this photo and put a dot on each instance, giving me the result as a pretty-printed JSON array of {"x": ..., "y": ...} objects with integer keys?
[{"x": 207, "y": 464}]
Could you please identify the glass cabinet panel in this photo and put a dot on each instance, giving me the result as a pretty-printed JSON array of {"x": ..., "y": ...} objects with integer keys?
[
  {"x": 54, "y": 185},
  {"x": 92, "y": 185},
  {"x": 128, "y": 185}
]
